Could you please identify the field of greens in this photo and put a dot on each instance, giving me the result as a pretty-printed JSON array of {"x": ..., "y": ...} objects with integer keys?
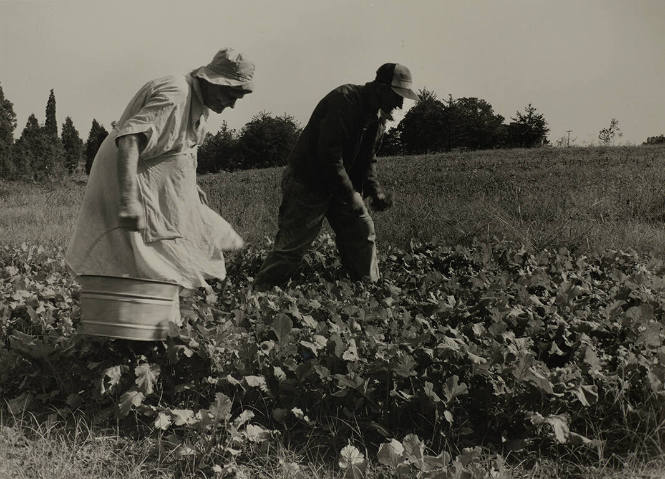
[
  {"x": 456, "y": 361},
  {"x": 469, "y": 359}
]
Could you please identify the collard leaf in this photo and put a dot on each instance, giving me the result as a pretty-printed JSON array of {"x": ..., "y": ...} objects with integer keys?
[
  {"x": 256, "y": 433},
  {"x": 299, "y": 414},
  {"x": 244, "y": 417},
  {"x": 314, "y": 348},
  {"x": 163, "y": 421},
  {"x": 579, "y": 439},
  {"x": 429, "y": 392},
  {"x": 436, "y": 463},
  {"x": 351, "y": 353},
  {"x": 211, "y": 299},
  {"x": 110, "y": 379},
  {"x": 541, "y": 382},
  {"x": 351, "y": 461},
  {"x": 184, "y": 451},
  {"x": 650, "y": 335},
  {"x": 146, "y": 377},
  {"x": 256, "y": 382},
  {"x": 338, "y": 342},
  {"x": 221, "y": 408},
  {"x": 454, "y": 388},
  {"x": 128, "y": 399},
  {"x": 391, "y": 453},
  {"x": 642, "y": 313},
  {"x": 591, "y": 358},
  {"x": 309, "y": 321},
  {"x": 414, "y": 449},
  {"x": 469, "y": 455},
  {"x": 279, "y": 373},
  {"x": 282, "y": 326},
  {"x": 182, "y": 417},
  {"x": 448, "y": 416},
  {"x": 19, "y": 404},
  {"x": 558, "y": 422},
  {"x": 406, "y": 366}
]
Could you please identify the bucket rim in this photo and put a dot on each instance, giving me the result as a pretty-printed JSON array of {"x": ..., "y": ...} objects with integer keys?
[{"x": 148, "y": 280}]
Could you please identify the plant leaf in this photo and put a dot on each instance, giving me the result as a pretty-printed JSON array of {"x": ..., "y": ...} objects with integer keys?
[
  {"x": 128, "y": 399},
  {"x": 163, "y": 421},
  {"x": 282, "y": 326},
  {"x": 146, "y": 377},
  {"x": 391, "y": 453}
]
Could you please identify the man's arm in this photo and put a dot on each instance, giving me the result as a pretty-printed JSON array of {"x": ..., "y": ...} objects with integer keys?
[
  {"x": 131, "y": 215},
  {"x": 333, "y": 130},
  {"x": 379, "y": 200},
  {"x": 370, "y": 144}
]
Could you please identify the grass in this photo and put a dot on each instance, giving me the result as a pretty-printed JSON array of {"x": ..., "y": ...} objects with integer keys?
[
  {"x": 53, "y": 449},
  {"x": 71, "y": 448},
  {"x": 579, "y": 198}
]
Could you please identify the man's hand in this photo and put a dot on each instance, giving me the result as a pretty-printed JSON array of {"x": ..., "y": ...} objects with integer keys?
[
  {"x": 131, "y": 216},
  {"x": 357, "y": 203},
  {"x": 381, "y": 201}
]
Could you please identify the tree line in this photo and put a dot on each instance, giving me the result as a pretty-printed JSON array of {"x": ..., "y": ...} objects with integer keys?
[
  {"x": 431, "y": 125},
  {"x": 468, "y": 123},
  {"x": 40, "y": 154}
]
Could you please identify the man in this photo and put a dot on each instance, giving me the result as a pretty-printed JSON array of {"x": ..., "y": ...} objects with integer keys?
[
  {"x": 330, "y": 170},
  {"x": 143, "y": 215}
]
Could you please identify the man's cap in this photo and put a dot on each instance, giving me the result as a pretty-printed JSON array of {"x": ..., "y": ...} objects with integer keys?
[
  {"x": 398, "y": 77},
  {"x": 228, "y": 68}
]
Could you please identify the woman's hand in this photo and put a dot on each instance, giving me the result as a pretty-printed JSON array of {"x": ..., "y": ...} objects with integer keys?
[
  {"x": 203, "y": 197},
  {"x": 131, "y": 216}
]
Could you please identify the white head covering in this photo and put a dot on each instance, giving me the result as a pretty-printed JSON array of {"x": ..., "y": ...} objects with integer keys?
[{"x": 228, "y": 69}]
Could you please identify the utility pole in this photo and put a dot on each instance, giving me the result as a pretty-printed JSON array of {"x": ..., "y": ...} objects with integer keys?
[{"x": 568, "y": 142}]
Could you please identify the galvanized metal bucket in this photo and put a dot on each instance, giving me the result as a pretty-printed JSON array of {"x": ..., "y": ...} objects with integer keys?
[{"x": 128, "y": 308}]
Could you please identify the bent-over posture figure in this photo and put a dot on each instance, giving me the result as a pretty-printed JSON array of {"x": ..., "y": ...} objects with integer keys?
[{"x": 331, "y": 169}]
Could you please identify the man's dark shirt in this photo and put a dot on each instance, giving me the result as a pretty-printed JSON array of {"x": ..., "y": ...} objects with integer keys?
[{"x": 335, "y": 153}]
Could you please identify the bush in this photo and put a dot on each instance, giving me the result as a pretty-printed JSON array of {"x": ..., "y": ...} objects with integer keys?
[
  {"x": 267, "y": 140},
  {"x": 655, "y": 140},
  {"x": 219, "y": 152}
]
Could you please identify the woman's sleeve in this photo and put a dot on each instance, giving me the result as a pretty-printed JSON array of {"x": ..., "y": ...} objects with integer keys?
[{"x": 158, "y": 119}]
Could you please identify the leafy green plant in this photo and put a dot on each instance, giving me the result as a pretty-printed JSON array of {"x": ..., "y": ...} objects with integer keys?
[{"x": 489, "y": 346}]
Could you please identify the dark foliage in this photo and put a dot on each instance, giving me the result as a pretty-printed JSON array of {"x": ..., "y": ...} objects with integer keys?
[
  {"x": 95, "y": 138},
  {"x": 655, "y": 140},
  {"x": 219, "y": 152},
  {"x": 51, "y": 124},
  {"x": 72, "y": 144},
  {"x": 267, "y": 140}
]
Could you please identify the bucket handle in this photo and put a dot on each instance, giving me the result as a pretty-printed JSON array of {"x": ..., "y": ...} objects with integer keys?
[{"x": 97, "y": 240}]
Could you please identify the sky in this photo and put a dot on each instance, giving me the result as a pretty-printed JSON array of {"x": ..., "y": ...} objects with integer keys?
[{"x": 579, "y": 62}]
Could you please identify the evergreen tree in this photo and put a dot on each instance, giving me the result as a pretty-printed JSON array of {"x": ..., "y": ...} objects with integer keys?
[
  {"x": 7, "y": 122},
  {"x": 7, "y": 126},
  {"x": 51, "y": 125},
  {"x": 72, "y": 144},
  {"x": 528, "y": 129},
  {"x": 36, "y": 155},
  {"x": 219, "y": 152},
  {"x": 95, "y": 138},
  {"x": 23, "y": 148}
]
